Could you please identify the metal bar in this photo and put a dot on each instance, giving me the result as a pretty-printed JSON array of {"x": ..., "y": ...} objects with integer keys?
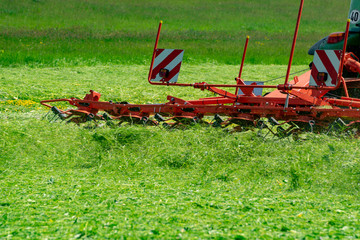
[
  {"x": 344, "y": 103},
  {"x": 280, "y": 87},
  {"x": 286, "y": 102},
  {"x": 351, "y": 99},
  {"x": 242, "y": 63},
  {"x": 44, "y": 102},
  {"x": 343, "y": 58},
  {"x": 241, "y": 99},
  {"x": 155, "y": 48},
  {"x": 243, "y": 57},
  {"x": 294, "y": 42}
]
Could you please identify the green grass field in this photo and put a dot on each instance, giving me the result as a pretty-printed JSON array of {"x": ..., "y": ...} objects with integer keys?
[
  {"x": 54, "y": 33},
  {"x": 62, "y": 181}
]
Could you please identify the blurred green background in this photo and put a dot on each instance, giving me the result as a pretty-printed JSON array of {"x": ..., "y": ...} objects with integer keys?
[{"x": 88, "y": 32}]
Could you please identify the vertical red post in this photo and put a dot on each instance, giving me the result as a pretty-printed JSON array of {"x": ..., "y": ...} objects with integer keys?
[
  {"x": 340, "y": 78},
  {"x": 243, "y": 57},
  {"x": 294, "y": 42},
  {"x": 242, "y": 63},
  {"x": 155, "y": 47}
]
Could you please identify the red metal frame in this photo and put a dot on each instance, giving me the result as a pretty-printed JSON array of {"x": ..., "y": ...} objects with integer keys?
[
  {"x": 343, "y": 57},
  {"x": 238, "y": 81},
  {"x": 294, "y": 42},
  {"x": 154, "y": 52}
]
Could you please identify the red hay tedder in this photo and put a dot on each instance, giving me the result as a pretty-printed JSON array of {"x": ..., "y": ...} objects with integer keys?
[{"x": 310, "y": 101}]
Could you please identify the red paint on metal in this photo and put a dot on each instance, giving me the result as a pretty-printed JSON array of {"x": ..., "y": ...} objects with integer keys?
[
  {"x": 330, "y": 68},
  {"x": 244, "y": 55},
  {"x": 338, "y": 54},
  {"x": 165, "y": 62},
  {"x": 294, "y": 42},
  {"x": 154, "y": 52},
  {"x": 173, "y": 72},
  {"x": 343, "y": 57},
  {"x": 158, "y": 52},
  {"x": 314, "y": 74},
  {"x": 242, "y": 63}
]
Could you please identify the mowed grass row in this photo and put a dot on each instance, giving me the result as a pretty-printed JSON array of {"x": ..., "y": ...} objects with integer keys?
[
  {"x": 58, "y": 33},
  {"x": 64, "y": 181}
]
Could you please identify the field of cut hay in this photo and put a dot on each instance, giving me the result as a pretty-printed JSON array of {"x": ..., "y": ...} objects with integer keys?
[{"x": 66, "y": 181}]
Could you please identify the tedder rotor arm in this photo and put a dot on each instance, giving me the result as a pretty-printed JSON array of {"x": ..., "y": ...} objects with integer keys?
[{"x": 45, "y": 102}]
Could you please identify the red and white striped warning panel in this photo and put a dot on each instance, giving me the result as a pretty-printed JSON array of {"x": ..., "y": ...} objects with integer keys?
[
  {"x": 325, "y": 68},
  {"x": 167, "y": 65}
]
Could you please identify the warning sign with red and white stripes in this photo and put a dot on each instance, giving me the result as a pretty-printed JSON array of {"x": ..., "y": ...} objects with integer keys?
[
  {"x": 167, "y": 65},
  {"x": 325, "y": 68}
]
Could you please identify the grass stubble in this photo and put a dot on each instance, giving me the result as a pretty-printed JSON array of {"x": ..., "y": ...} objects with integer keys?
[{"x": 64, "y": 181}]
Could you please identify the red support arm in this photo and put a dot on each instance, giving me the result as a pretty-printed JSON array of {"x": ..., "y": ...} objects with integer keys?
[
  {"x": 155, "y": 47},
  {"x": 294, "y": 42}
]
